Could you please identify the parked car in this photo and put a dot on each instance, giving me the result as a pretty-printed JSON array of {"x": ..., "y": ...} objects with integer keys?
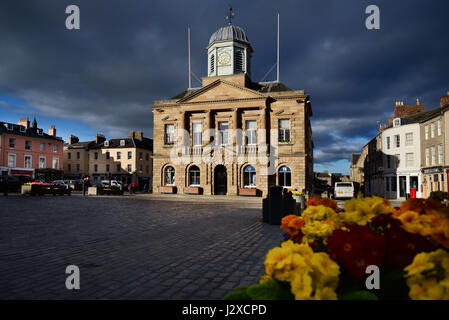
[
  {"x": 10, "y": 184},
  {"x": 114, "y": 183},
  {"x": 61, "y": 183},
  {"x": 343, "y": 190}
]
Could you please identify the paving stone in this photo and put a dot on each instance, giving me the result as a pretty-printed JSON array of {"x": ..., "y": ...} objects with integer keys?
[{"x": 140, "y": 247}]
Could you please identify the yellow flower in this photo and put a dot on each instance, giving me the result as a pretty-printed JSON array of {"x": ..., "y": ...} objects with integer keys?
[
  {"x": 325, "y": 293},
  {"x": 265, "y": 278},
  {"x": 428, "y": 276},
  {"x": 301, "y": 286}
]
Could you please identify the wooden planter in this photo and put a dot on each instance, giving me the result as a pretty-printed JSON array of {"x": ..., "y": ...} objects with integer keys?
[
  {"x": 167, "y": 189},
  {"x": 249, "y": 192},
  {"x": 193, "y": 190}
]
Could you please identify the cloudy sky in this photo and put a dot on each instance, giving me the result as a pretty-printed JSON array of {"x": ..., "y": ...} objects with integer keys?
[{"x": 103, "y": 77}]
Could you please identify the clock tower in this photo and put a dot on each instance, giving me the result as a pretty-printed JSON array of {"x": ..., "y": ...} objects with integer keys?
[{"x": 229, "y": 51}]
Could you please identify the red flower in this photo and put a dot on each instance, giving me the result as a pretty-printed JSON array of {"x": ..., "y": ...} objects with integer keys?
[
  {"x": 357, "y": 248},
  {"x": 404, "y": 246}
]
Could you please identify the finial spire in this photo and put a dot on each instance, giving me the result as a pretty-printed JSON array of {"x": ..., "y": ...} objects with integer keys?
[{"x": 230, "y": 15}]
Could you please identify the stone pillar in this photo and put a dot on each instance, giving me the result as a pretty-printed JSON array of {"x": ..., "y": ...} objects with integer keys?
[
  {"x": 234, "y": 125},
  {"x": 207, "y": 127}
]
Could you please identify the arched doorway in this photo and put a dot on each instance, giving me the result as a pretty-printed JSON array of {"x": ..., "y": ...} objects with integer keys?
[{"x": 220, "y": 180}]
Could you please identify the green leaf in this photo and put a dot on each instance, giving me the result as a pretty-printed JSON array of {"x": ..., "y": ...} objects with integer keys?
[
  {"x": 238, "y": 293},
  {"x": 271, "y": 290},
  {"x": 358, "y": 295}
]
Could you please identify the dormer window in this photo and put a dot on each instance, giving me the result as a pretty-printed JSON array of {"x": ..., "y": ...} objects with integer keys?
[
  {"x": 122, "y": 143},
  {"x": 106, "y": 143},
  {"x": 22, "y": 129},
  {"x": 10, "y": 126},
  {"x": 397, "y": 122},
  {"x": 40, "y": 132}
]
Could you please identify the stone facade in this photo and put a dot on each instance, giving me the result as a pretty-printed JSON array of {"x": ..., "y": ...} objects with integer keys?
[
  {"x": 127, "y": 159},
  {"x": 232, "y": 136},
  {"x": 226, "y": 101}
]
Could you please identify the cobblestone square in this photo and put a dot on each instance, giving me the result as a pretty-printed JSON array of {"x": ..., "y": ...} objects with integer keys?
[{"x": 131, "y": 247}]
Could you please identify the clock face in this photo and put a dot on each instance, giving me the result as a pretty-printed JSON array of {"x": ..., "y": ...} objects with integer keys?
[{"x": 224, "y": 58}]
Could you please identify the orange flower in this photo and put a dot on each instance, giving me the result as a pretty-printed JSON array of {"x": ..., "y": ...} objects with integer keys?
[
  {"x": 292, "y": 224},
  {"x": 297, "y": 223},
  {"x": 420, "y": 206},
  {"x": 317, "y": 200}
]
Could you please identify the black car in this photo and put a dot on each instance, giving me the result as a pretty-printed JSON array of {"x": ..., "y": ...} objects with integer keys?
[{"x": 10, "y": 184}]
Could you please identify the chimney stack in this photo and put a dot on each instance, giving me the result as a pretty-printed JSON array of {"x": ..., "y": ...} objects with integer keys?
[
  {"x": 137, "y": 135},
  {"x": 73, "y": 139},
  {"x": 24, "y": 122},
  {"x": 99, "y": 138},
  {"x": 52, "y": 131},
  {"x": 444, "y": 99}
]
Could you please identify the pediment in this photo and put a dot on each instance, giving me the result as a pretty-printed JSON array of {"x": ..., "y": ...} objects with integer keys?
[{"x": 221, "y": 90}]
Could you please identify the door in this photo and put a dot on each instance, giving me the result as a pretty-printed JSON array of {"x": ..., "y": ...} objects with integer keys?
[
  {"x": 402, "y": 186},
  {"x": 220, "y": 180}
]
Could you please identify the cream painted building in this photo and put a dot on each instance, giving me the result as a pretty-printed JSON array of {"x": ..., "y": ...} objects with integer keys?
[{"x": 127, "y": 159}]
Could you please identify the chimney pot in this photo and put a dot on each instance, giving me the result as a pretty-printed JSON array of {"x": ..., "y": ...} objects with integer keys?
[{"x": 52, "y": 131}]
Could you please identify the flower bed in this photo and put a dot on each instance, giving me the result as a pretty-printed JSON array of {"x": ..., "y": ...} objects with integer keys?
[
  {"x": 329, "y": 253},
  {"x": 41, "y": 188}
]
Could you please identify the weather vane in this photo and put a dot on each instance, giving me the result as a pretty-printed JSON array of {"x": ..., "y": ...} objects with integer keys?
[{"x": 230, "y": 15}]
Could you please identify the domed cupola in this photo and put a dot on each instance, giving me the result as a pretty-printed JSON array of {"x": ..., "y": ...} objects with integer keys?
[
  {"x": 229, "y": 51},
  {"x": 229, "y": 32}
]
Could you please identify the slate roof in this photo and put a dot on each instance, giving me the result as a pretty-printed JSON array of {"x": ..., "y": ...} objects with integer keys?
[
  {"x": 262, "y": 87},
  {"x": 30, "y": 132}
]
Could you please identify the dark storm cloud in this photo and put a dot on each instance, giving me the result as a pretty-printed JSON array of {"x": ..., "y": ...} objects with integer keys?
[{"x": 130, "y": 53}]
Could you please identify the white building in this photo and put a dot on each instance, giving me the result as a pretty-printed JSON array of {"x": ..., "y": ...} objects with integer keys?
[{"x": 401, "y": 152}]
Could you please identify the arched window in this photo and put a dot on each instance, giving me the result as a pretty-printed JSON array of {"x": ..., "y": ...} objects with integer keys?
[
  {"x": 169, "y": 176},
  {"x": 249, "y": 176},
  {"x": 194, "y": 176},
  {"x": 285, "y": 176}
]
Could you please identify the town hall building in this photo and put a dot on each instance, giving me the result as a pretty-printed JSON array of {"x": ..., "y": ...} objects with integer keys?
[{"x": 232, "y": 136}]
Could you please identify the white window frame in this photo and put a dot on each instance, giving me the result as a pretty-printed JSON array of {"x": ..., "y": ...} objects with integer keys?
[
  {"x": 24, "y": 161},
  {"x": 433, "y": 153},
  {"x": 9, "y": 143},
  {"x": 31, "y": 143},
  {"x": 439, "y": 127},
  {"x": 432, "y": 130},
  {"x": 388, "y": 143},
  {"x": 284, "y": 133},
  {"x": 251, "y": 134},
  {"x": 223, "y": 134},
  {"x": 15, "y": 159},
  {"x": 55, "y": 148},
  {"x": 169, "y": 134},
  {"x": 426, "y": 131},
  {"x": 409, "y": 139},
  {"x": 440, "y": 153},
  {"x": 409, "y": 160},
  {"x": 45, "y": 162},
  {"x": 53, "y": 163},
  {"x": 194, "y": 174},
  {"x": 427, "y": 152},
  {"x": 42, "y": 146},
  {"x": 197, "y": 134}
]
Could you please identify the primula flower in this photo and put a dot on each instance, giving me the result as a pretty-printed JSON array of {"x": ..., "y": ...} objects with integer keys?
[
  {"x": 311, "y": 275},
  {"x": 317, "y": 201},
  {"x": 428, "y": 276},
  {"x": 357, "y": 248}
]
